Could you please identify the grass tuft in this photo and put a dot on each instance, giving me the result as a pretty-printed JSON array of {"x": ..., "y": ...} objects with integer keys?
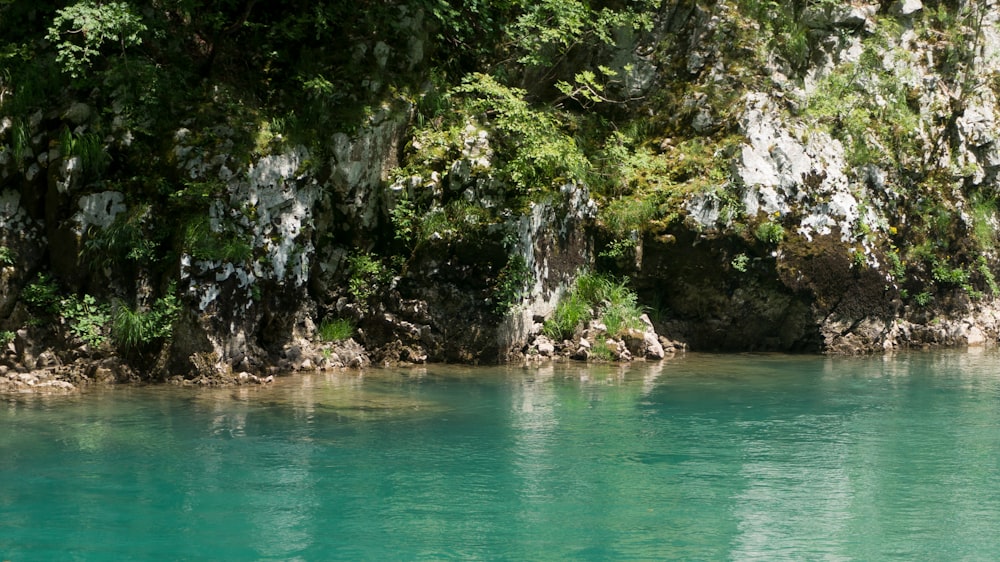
[
  {"x": 595, "y": 295},
  {"x": 335, "y": 330}
]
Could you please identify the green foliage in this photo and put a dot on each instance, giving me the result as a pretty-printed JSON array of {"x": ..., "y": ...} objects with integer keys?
[
  {"x": 701, "y": 163},
  {"x": 858, "y": 259},
  {"x": 589, "y": 88},
  {"x": 630, "y": 214},
  {"x": 125, "y": 240},
  {"x": 896, "y": 266},
  {"x": 458, "y": 218},
  {"x": 511, "y": 283},
  {"x": 80, "y": 31},
  {"x": 7, "y": 256},
  {"x": 991, "y": 281},
  {"x": 740, "y": 262},
  {"x": 595, "y": 288},
  {"x": 203, "y": 243},
  {"x": 617, "y": 304},
  {"x": 467, "y": 28},
  {"x": 625, "y": 166},
  {"x": 368, "y": 276},
  {"x": 622, "y": 315},
  {"x": 958, "y": 276},
  {"x": 536, "y": 153},
  {"x": 547, "y": 29},
  {"x": 646, "y": 188},
  {"x": 6, "y": 337},
  {"x": 770, "y": 233},
  {"x": 618, "y": 248},
  {"x": 89, "y": 148},
  {"x": 983, "y": 213},
  {"x": 781, "y": 28},
  {"x": 571, "y": 312},
  {"x": 196, "y": 196},
  {"x": 957, "y": 34},
  {"x": 28, "y": 81},
  {"x": 88, "y": 320},
  {"x": 405, "y": 221},
  {"x": 947, "y": 275},
  {"x": 923, "y": 298},
  {"x": 870, "y": 110},
  {"x": 602, "y": 352},
  {"x": 595, "y": 295},
  {"x": 336, "y": 329},
  {"x": 42, "y": 295},
  {"x": 133, "y": 329},
  {"x": 19, "y": 141}
]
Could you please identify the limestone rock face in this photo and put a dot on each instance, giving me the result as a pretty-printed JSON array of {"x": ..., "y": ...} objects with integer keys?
[
  {"x": 807, "y": 242},
  {"x": 842, "y": 198}
]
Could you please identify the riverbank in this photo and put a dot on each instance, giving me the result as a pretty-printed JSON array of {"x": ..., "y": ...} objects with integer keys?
[
  {"x": 348, "y": 357},
  {"x": 754, "y": 178}
]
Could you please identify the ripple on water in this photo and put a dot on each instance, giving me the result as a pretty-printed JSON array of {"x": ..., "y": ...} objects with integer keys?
[{"x": 750, "y": 457}]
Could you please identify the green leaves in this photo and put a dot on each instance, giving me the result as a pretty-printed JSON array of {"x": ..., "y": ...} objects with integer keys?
[
  {"x": 511, "y": 283},
  {"x": 89, "y": 148},
  {"x": 537, "y": 153},
  {"x": 41, "y": 295},
  {"x": 87, "y": 318},
  {"x": 368, "y": 276},
  {"x": 548, "y": 29},
  {"x": 587, "y": 88},
  {"x": 81, "y": 30}
]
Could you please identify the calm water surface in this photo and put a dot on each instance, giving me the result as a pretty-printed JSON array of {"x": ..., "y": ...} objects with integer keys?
[{"x": 740, "y": 457}]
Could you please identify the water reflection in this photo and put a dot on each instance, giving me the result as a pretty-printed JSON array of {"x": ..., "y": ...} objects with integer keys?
[
  {"x": 704, "y": 457},
  {"x": 533, "y": 423}
]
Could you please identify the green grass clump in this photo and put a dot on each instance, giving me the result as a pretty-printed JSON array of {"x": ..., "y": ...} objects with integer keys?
[
  {"x": 335, "y": 330},
  {"x": 770, "y": 233},
  {"x": 203, "y": 243},
  {"x": 983, "y": 211},
  {"x": 595, "y": 295},
  {"x": 571, "y": 312},
  {"x": 602, "y": 352},
  {"x": 135, "y": 329},
  {"x": 89, "y": 148}
]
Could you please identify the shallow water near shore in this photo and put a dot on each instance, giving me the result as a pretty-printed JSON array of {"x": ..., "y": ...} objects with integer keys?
[{"x": 704, "y": 457}]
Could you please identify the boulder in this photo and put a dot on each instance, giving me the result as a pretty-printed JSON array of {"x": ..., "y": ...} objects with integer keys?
[{"x": 545, "y": 346}]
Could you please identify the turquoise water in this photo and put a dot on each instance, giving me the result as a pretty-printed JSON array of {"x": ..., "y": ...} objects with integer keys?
[{"x": 740, "y": 457}]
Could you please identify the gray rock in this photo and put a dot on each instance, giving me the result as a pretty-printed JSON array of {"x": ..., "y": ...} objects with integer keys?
[
  {"x": 654, "y": 350},
  {"x": 78, "y": 113},
  {"x": 907, "y": 7}
]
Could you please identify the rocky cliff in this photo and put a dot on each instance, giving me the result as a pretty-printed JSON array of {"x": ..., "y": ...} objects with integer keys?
[{"x": 795, "y": 176}]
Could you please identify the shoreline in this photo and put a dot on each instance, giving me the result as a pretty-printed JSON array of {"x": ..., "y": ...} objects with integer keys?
[{"x": 71, "y": 379}]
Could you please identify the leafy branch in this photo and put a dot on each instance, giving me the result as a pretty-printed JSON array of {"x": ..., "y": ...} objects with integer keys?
[
  {"x": 79, "y": 31},
  {"x": 587, "y": 89}
]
